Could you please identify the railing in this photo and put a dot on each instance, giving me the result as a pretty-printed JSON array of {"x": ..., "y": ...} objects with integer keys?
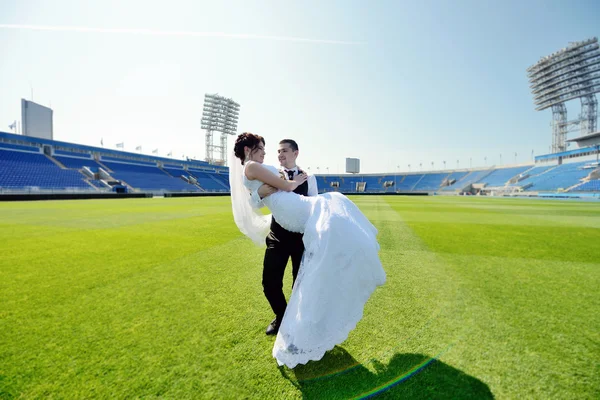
[{"x": 37, "y": 190}]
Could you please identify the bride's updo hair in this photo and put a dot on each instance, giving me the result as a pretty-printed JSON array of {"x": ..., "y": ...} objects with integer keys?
[{"x": 246, "y": 139}]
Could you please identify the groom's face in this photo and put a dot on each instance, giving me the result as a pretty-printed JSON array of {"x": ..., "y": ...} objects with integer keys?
[{"x": 287, "y": 156}]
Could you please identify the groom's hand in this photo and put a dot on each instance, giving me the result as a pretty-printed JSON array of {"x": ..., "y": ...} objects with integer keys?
[{"x": 266, "y": 190}]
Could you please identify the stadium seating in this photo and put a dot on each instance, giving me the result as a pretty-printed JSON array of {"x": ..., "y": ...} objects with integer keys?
[
  {"x": 121, "y": 160},
  {"x": 348, "y": 183},
  {"x": 10, "y": 146},
  {"x": 23, "y": 166},
  {"x": 70, "y": 154},
  {"x": 531, "y": 173},
  {"x": 97, "y": 183},
  {"x": 430, "y": 182},
  {"x": 561, "y": 177},
  {"x": 468, "y": 179},
  {"x": 175, "y": 172},
  {"x": 146, "y": 177},
  {"x": 590, "y": 186},
  {"x": 501, "y": 176},
  {"x": 457, "y": 175},
  {"x": 389, "y": 178},
  {"x": 77, "y": 163},
  {"x": 223, "y": 178},
  {"x": 408, "y": 182},
  {"x": 20, "y": 170},
  {"x": 372, "y": 183},
  {"x": 208, "y": 181}
]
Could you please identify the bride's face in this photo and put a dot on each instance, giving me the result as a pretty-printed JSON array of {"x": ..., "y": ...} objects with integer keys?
[{"x": 258, "y": 154}]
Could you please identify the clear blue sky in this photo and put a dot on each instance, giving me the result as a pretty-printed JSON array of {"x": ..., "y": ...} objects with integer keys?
[{"x": 401, "y": 83}]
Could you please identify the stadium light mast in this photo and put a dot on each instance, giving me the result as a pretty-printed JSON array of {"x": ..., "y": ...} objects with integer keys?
[
  {"x": 219, "y": 114},
  {"x": 570, "y": 73}
]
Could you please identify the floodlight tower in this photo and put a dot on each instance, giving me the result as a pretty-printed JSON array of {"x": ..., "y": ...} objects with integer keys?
[
  {"x": 570, "y": 73},
  {"x": 219, "y": 114}
]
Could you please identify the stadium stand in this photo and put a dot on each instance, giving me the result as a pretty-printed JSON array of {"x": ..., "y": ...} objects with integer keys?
[
  {"x": 372, "y": 183},
  {"x": 76, "y": 163},
  {"x": 9, "y": 146},
  {"x": 175, "y": 172},
  {"x": 97, "y": 183},
  {"x": 430, "y": 182},
  {"x": 208, "y": 181},
  {"x": 468, "y": 179},
  {"x": 223, "y": 178},
  {"x": 20, "y": 169},
  {"x": 324, "y": 182},
  {"x": 527, "y": 176},
  {"x": 561, "y": 177},
  {"x": 457, "y": 175},
  {"x": 147, "y": 177},
  {"x": 408, "y": 182},
  {"x": 589, "y": 186},
  {"x": 501, "y": 176},
  {"x": 34, "y": 164}
]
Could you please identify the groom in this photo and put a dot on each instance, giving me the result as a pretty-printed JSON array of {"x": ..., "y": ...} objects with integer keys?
[{"x": 282, "y": 244}]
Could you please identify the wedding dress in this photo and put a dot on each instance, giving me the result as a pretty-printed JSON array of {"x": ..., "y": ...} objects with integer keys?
[{"x": 340, "y": 270}]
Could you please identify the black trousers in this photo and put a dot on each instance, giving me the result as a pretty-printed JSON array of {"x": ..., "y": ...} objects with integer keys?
[{"x": 279, "y": 250}]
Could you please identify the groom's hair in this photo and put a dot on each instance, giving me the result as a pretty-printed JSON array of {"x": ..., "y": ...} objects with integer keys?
[{"x": 291, "y": 142}]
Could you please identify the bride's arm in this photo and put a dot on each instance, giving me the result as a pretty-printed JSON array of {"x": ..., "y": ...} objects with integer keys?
[
  {"x": 265, "y": 191},
  {"x": 256, "y": 200},
  {"x": 255, "y": 171}
]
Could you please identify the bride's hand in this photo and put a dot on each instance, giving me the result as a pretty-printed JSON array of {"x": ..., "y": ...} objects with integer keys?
[{"x": 299, "y": 180}]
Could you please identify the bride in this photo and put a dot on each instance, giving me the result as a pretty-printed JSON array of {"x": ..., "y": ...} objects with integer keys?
[{"x": 340, "y": 268}]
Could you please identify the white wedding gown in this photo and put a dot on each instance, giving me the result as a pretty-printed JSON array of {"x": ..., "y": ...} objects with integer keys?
[{"x": 340, "y": 270}]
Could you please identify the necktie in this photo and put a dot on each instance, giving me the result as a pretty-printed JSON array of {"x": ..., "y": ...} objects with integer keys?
[{"x": 290, "y": 173}]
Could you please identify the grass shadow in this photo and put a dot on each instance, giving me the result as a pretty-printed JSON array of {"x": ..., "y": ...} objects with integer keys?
[{"x": 408, "y": 376}]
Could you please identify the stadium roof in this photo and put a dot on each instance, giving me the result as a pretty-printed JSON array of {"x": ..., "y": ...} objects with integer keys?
[
  {"x": 567, "y": 153},
  {"x": 586, "y": 137}
]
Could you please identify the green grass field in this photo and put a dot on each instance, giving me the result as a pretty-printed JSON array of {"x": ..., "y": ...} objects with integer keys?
[{"x": 162, "y": 298}]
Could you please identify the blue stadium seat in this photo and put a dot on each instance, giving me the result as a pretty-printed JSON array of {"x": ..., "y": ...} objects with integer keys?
[
  {"x": 589, "y": 186},
  {"x": 430, "y": 182},
  {"x": 530, "y": 174},
  {"x": 501, "y": 176},
  {"x": 20, "y": 169},
  {"x": 76, "y": 163},
  {"x": 71, "y": 154},
  {"x": 147, "y": 177},
  {"x": 121, "y": 160},
  {"x": 467, "y": 179},
  {"x": 9, "y": 146},
  {"x": 560, "y": 177},
  {"x": 209, "y": 181},
  {"x": 408, "y": 182}
]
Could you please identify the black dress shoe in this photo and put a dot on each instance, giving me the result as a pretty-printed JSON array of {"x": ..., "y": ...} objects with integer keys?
[{"x": 273, "y": 327}]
